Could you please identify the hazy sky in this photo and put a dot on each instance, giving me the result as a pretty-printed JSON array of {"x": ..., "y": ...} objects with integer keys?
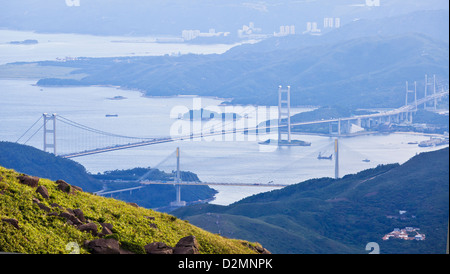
[{"x": 137, "y": 17}]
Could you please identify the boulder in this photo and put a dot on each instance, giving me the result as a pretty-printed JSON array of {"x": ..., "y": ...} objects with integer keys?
[
  {"x": 43, "y": 207},
  {"x": 79, "y": 214},
  {"x": 187, "y": 245},
  {"x": 90, "y": 227},
  {"x": 103, "y": 246},
  {"x": 12, "y": 222},
  {"x": 29, "y": 180},
  {"x": 64, "y": 186},
  {"x": 71, "y": 218},
  {"x": 158, "y": 248},
  {"x": 262, "y": 250},
  {"x": 133, "y": 204},
  {"x": 106, "y": 229},
  {"x": 257, "y": 248},
  {"x": 43, "y": 191},
  {"x": 56, "y": 205},
  {"x": 77, "y": 188}
]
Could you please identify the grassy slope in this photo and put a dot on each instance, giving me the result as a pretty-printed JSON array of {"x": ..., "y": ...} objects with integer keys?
[{"x": 40, "y": 233}]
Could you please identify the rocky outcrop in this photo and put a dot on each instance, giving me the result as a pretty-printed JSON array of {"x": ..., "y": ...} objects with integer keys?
[
  {"x": 106, "y": 229},
  {"x": 12, "y": 222},
  {"x": 262, "y": 250},
  {"x": 63, "y": 186},
  {"x": 133, "y": 204},
  {"x": 187, "y": 245},
  {"x": 89, "y": 227},
  {"x": 158, "y": 248},
  {"x": 43, "y": 191},
  {"x": 67, "y": 188},
  {"x": 56, "y": 205},
  {"x": 43, "y": 207},
  {"x": 79, "y": 214},
  {"x": 103, "y": 246},
  {"x": 29, "y": 180},
  {"x": 259, "y": 249},
  {"x": 70, "y": 218}
]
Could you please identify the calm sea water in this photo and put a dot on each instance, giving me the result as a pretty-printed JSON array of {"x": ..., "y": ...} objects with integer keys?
[
  {"x": 22, "y": 104},
  {"x": 52, "y": 46},
  {"x": 214, "y": 161}
]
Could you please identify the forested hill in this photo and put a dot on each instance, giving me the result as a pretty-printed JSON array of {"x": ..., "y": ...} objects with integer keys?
[
  {"x": 343, "y": 216},
  {"x": 30, "y": 160}
]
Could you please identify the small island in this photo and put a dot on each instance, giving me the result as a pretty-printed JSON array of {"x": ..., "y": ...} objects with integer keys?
[
  {"x": 25, "y": 42},
  {"x": 118, "y": 98}
]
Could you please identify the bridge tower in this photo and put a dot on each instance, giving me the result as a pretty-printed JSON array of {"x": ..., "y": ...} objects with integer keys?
[
  {"x": 178, "y": 201},
  {"x": 284, "y": 113},
  {"x": 430, "y": 83},
  {"x": 410, "y": 119},
  {"x": 336, "y": 159},
  {"x": 49, "y": 132},
  {"x": 411, "y": 91}
]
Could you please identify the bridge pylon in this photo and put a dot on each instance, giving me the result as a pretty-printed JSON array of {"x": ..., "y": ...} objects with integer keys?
[
  {"x": 284, "y": 114},
  {"x": 49, "y": 132},
  {"x": 411, "y": 91},
  {"x": 430, "y": 83},
  {"x": 178, "y": 202}
]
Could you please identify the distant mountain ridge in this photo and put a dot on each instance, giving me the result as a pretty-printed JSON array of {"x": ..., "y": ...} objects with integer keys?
[
  {"x": 342, "y": 216},
  {"x": 364, "y": 63},
  {"x": 368, "y": 72}
]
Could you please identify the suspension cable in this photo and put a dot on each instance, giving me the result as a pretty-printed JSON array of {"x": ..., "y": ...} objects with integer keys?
[
  {"x": 33, "y": 134},
  {"x": 29, "y": 130},
  {"x": 80, "y": 126}
]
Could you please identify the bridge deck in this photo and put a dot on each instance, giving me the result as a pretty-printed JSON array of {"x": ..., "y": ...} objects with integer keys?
[
  {"x": 215, "y": 184},
  {"x": 403, "y": 109}
]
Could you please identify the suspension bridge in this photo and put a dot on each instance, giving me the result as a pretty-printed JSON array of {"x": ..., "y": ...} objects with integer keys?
[
  {"x": 98, "y": 141},
  {"x": 50, "y": 124},
  {"x": 177, "y": 182}
]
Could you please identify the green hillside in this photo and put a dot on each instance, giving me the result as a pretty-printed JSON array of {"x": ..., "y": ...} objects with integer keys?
[
  {"x": 31, "y": 160},
  {"x": 32, "y": 223},
  {"x": 342, "y": 216}
]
